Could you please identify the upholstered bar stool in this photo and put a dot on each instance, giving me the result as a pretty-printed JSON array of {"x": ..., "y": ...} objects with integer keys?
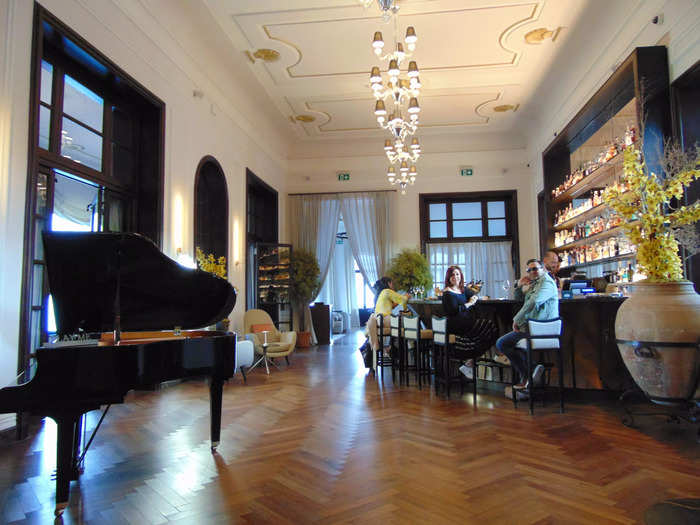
[
  {"x": 420, "y": 341},
  {"x": 543, "y": 336},
  {"x": 441, "y": 345}
]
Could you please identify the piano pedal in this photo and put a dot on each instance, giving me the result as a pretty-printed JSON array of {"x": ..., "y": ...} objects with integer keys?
[{"x": 60, "y": 507}]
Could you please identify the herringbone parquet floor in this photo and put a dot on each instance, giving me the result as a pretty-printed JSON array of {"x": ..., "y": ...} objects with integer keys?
[{"x": 323, "y": 443}]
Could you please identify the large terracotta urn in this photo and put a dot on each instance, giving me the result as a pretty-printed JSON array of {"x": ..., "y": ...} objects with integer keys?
[{"x": 657, "y": 331}]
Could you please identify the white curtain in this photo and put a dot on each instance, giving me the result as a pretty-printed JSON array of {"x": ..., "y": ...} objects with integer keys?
[
  {"x": 314, "y": 220},
  {"x": 490, "y": 262},
  {"x": 367, "y": 218},
  {"x": 339, "y": 287}
]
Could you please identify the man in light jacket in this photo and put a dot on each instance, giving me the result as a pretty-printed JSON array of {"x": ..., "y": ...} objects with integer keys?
[{"x": 539, "y": 291}]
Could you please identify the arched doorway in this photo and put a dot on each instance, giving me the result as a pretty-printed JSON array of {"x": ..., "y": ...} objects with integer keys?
[{"x": 211, "y": 209}]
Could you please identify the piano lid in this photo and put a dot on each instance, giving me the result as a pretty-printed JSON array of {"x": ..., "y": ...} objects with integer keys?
[{"x": 155, "y": 292}]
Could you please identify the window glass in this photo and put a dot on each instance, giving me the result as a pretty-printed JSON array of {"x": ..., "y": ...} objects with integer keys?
[
  {"x": 438, "y": 229},
  {"x": 46, "y": 82},
  {"x": 466, "y": 229},
  {"x": 44, "y": 126},
  {"x": 81, "y": 144},
  {"x": 82, "y": 104},
  {"x": 497, "y": 227},
  {"x": 466, "y": 210},
  {"x": 437, "y": 212},
  {"x": 496, "y": 209}
]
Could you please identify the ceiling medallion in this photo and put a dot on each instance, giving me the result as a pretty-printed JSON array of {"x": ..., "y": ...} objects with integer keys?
[
  {"x": 305, "y": 118},
  {"x": 506, "y": 107},
  {"x": 539, "y": 35},
  {"x": 266, "y": 55}
]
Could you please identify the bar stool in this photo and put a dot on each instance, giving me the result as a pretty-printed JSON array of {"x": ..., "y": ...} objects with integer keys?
[
  {"x": 441, "y": 345},
  {"x": 420, "y": 340},
  {"x": 472, "y": 345},
  {"x": 542, "y": 336},
  {"x": 397, "y": 348},
  {"x": 382, "y": 359}
]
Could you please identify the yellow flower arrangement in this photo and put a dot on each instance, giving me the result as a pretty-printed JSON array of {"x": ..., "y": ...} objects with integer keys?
[
  {"x": 647, "y": 205},
  {"x": 209, "y": 263}
]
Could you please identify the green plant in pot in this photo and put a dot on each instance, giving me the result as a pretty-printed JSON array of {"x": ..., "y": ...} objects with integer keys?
[
  {"x": 304, "y": 276},
  {"x": 410, "y": 271}
]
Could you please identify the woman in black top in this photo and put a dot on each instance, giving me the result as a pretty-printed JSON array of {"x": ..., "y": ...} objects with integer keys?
[
  {"x": 457, "y": 302},
  {"x": 477, "y": 335}
]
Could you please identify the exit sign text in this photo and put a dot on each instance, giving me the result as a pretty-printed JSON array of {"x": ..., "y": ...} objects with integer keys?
[
  {"x": 466, "y": 171},
  {"x": 343, "y": 176}
]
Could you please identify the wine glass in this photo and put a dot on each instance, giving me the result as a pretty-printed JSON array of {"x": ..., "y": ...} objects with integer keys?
[{"x": 506, "y": 288}]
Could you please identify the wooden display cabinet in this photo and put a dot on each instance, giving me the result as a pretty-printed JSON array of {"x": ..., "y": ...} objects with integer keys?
[{"x": 586, "y": 157}]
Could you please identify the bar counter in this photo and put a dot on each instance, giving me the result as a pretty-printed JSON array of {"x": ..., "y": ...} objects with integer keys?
[{"x": 589, "y": 336}]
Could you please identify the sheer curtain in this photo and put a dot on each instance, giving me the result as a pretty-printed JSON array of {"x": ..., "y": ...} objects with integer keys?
[
  {"x": 314, "y": 220},
  {"x": 367, "y": 218},
  {"x": 339, "y": 287},
  {"x": 490, "y": 262}
]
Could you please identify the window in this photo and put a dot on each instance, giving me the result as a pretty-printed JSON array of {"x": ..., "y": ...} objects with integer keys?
[
  {"x": 365, "y": 295},
  {"x": 466, "y": 217},
  {"x": 98, "y": 157},
  {"x": 472, "y": 230}
]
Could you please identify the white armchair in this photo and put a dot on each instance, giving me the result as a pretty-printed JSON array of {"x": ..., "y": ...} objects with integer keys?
[{"x": 279, "y": 344}]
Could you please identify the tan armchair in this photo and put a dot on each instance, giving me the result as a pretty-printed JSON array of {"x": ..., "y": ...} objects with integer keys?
[{"x": 279, "y": 344}]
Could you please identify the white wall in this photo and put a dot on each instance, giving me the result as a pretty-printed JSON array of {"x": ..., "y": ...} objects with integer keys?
[
  {"x": 438, "y": 173},
  {"x": 235, "y": 133}
]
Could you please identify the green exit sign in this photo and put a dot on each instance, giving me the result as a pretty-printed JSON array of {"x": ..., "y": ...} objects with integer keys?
[
  {"x": 467, "y": 171},
  {"x": 343, "y": 176}
]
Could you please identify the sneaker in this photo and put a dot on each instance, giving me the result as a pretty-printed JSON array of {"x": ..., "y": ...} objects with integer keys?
[
  {"x": 467, "y": 371},
  {"x": 537, "y": 375},
  {"x": 502, "y": 359}
]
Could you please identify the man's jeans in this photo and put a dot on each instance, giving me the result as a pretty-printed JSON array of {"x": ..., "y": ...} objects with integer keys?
[{"x": 518, "y": 358}]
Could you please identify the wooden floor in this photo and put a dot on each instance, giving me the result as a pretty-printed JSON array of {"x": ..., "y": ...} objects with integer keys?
[{"x": 322, "y": 442}]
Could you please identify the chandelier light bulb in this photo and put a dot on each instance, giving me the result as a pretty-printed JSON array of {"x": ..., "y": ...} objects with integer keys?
[
  {"x": 393, "y": 68},
  {"x": 413, "y": 106},
  {"x": 415, "y": 83},
  {"x": 404, "y": 166},
  {"x": 414, "y": 144},
  {"x": 387, "y": 145},
  {"x": 379, "y": 108},
  {"x": 411, "y": 37},
  {"x": 378, "y": 42},
  {"x": 375, "y": 76},
  {"x": 412, "y": 172},
  {"x": 412, "y": 69}
]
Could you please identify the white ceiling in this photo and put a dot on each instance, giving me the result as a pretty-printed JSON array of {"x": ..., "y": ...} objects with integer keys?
[{"x": 472, "y": 54}]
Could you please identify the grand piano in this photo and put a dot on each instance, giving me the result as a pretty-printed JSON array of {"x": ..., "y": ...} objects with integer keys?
[{"x": 132, "y": 307}]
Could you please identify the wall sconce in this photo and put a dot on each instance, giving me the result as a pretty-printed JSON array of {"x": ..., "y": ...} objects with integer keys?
[
  {"x": 236, "y": 244},
  {"x": 178, "y": 224}
]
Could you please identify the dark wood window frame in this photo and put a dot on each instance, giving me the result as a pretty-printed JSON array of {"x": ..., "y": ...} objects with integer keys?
[
  {"x": 118, "y": 90},
  {"x": 510, "y": 197}
]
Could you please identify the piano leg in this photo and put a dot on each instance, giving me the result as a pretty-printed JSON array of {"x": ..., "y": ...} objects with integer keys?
[
  {"x": 216, "y": 387},
  {"x": 65, "y": 459}
]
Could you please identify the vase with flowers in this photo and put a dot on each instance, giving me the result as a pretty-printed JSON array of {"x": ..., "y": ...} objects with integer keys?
[
  {"x": 217, "y": 266},
  {"x": 658, "y": 327}
]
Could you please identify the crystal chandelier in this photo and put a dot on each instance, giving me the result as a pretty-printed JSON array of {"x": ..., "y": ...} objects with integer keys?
[{"x": 396, "y": 98}]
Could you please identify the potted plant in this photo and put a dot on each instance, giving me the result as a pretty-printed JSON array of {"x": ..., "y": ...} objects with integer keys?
[
  {"x": 304, "y": 276},
  {"x": 658, "y": 327},
  {"x": 410, "y": 271}
]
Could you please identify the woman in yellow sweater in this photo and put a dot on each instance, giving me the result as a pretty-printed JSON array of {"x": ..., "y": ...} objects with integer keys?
[{"x": 388, "y": 299}]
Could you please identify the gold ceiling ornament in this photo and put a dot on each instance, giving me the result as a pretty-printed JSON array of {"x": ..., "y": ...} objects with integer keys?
[
  {"x": 506, "y": 107},
  {"x": 539, "y": 35},
  {"x": 266, "y": 55},
  {"x": 305, "y": 118}
]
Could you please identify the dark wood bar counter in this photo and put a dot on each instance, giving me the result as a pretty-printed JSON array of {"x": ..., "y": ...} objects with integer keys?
[{"x": 589, "y": 337}]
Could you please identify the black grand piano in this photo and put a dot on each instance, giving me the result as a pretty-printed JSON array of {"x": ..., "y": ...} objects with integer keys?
[{"x": 140, "y": 304}]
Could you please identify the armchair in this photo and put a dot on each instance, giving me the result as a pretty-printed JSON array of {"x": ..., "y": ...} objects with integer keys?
[{"x": 279, "y": 344}]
